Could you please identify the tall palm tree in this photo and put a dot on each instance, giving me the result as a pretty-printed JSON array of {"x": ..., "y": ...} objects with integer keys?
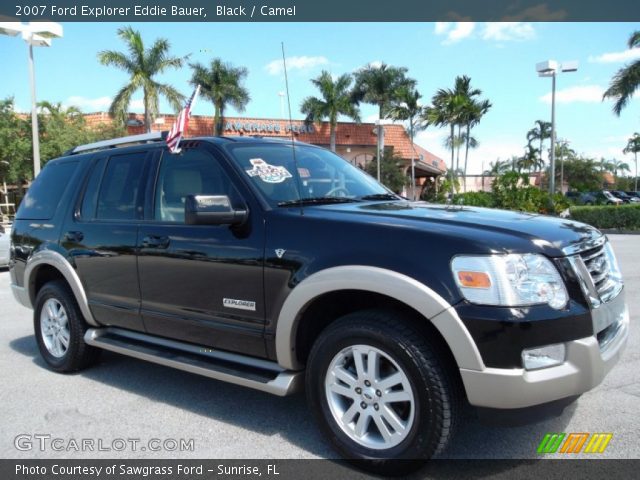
[
  {"x": 619, "y": 166},
  {"x": 626, "y": 81},
  {"x": 142, "y": 65},
  {"x": 633, "y": 146},
  {"x": 407, "y": 108},
  {"x": 379, "y": 85},
  {"x": 336, "y": 100},
  {"x": 446, "y": 110},
  {"x": 540, "y": 132},
  {"x": 221, "y": 84}
]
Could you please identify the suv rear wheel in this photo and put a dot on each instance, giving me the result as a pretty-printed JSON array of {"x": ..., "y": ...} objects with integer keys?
[
  {"x": 380, "y": 390},
  {"x": 60, "y": 328}
]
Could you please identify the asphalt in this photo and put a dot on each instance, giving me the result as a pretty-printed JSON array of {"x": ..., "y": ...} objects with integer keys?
[{"x": 123, "y": 398}]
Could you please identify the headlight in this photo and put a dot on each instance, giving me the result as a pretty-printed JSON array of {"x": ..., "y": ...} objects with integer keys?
[{"x": 509, "y": 280}]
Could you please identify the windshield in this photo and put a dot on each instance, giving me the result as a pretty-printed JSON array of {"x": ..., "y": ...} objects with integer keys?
[{"x": 321, "y": 176}]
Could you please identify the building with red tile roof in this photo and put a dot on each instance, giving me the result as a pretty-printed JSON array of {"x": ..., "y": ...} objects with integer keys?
[{"x": 356, "y": 142}]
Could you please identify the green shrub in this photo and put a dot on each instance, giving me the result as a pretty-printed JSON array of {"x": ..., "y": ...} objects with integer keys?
[
  {"x": 625, "y": 217},
  {"x": 476, "y": 199}
]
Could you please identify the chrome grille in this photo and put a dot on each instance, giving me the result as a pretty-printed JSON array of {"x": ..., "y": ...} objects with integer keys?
[{"x": 598, "y": 267}]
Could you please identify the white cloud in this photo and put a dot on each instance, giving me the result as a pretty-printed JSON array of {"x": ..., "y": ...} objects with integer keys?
[
  {"x": 373, "y": 118},
  {"x": 88, "y": 104},
  {"x": 454, "y": 31},
  {"x": 295, "y": 63},
  {"x": 616, "y": 57},
  {"x": 100, "y": 104},
  {"x": 508, "y": 31},
  {"x": 582, "y": 93}
]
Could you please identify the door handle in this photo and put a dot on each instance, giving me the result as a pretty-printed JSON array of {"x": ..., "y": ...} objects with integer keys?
[
  {"x": 155, "y": 241},
  {"x": 73, "y": 236}
]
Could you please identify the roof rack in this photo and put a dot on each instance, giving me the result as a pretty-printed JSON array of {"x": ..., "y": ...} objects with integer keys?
[{"x": 118, "y": 142}]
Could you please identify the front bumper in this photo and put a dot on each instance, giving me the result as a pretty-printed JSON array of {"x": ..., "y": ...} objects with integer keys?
[{"x": 588, "y": 361}]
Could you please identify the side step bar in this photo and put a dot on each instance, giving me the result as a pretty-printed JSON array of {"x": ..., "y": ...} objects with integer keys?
[{"x": 229, "y": 367}]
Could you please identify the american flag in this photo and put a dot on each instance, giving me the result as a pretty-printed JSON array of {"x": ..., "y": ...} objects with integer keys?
[{"x": 175, "y": 134}]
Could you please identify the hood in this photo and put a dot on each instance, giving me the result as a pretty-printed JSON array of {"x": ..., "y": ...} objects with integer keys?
[{"x": 552, "y": 235}]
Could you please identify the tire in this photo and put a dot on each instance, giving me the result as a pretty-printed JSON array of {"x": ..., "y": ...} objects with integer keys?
[
  {"x": 428, "y": 417},
  {"x": 57, "y": 318}
]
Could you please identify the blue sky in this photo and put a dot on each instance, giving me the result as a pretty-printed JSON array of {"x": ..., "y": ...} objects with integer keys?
[{"x": 499, "y": 58}]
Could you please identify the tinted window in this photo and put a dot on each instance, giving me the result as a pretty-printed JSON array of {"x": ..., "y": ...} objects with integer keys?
[
  {"x": 319, "y": 173},
  {"x": 88, "y": 207},
  {"x": 120, "y": 188},
  {"x": 193, "y": 172},
  {"x": 43, "y": 196}
]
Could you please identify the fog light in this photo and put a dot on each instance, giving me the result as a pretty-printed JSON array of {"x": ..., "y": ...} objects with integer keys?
[{"x": 543, "y": 357}]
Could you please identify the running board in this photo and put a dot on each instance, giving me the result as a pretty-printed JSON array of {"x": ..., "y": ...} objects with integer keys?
[{"x": 229, "y": 367}]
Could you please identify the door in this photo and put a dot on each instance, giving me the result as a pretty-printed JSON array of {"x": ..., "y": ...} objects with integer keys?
[
  {"x": 102, "y": 237},
  {"x": 200, "y": 283}
]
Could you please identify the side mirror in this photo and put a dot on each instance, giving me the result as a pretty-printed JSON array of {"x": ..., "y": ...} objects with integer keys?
[{"x": 212, "y": 210}]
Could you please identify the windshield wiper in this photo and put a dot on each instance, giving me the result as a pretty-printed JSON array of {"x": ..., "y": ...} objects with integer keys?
[
  {"x": 316, "y": 201},
  {"x": 380, "y": 196}
]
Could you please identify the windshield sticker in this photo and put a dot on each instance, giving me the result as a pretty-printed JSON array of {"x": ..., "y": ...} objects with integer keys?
[
  {"x": 267, "y": 173},
  {"x": 304, "y": 172}
]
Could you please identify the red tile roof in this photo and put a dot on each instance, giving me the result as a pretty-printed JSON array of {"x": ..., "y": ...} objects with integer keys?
[{"x": 347, "y": 134}]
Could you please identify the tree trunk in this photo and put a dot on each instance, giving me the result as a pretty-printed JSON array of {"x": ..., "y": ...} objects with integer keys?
[
  {"x": 332, "y": 136},
  {"x": 636, "y": 156},
  {"x": 379, "y": 140},
  {"x": 147, "y": 113},
  {"x": 451, "y": 177},
  {"x": 541, "y": 137},
  {"x": 216, "y": 120},
  {"x": 458, "y": 153},
  {"x": 466, "y": 157}
]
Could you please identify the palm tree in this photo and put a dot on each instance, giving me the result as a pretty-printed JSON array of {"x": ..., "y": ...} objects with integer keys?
[
  {"x": 626, "y": 81},
  {"x": 529, "y": 160},
  {"x": 472, "y": 113},
  {"x": 407, "y": 108},
  {"x": 379, "y": 85},
  {"x": 619, "y": 166},
  {"x": 221, "y": 84},
  {"x": 633, "y": 146},
  {"x": 540, "y": 132},
  {"x": 336, "y": 100},
  {"x": 142, "y": 65},
  {"x": 446, "y": 110}
]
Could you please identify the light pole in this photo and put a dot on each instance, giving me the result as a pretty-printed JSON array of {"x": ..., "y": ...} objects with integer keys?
[
  {"x": 37, "y": 34},
  {"x": 551, "y": 68}
]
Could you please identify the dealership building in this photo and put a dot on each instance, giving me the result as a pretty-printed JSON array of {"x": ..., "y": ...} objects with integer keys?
[{"x": 355, "y": 142}]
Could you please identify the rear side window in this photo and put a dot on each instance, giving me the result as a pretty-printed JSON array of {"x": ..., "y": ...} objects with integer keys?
[
  {"x": 43, "y": 197},
  {"x": 118, "y": 198},
  {"x": 88, "y": 207}
]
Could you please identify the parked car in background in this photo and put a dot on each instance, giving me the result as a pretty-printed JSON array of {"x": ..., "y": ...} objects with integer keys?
[
  {"x": 582, "y": 198},
  {"x": 623, "y": 196},
  {"x": 634, "y": 194},
  {"x": 5, "y": 235},
  {"x": 606, "y": 197}
]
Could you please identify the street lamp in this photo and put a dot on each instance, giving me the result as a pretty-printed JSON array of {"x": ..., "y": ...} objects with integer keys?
[
  {"x": 551, "y": 68},
  {"x": 38, "y": 34}
]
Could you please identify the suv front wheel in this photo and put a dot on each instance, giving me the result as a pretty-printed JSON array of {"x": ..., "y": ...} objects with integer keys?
[
  {"x": 59, "y": 328},
  {"x": 380, "y": 390}
]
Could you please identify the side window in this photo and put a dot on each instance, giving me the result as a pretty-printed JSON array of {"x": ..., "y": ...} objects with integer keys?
[
  {"x": 120, "y": 188},
  {"x": 193, "y": 172},
  {"x": 90, "y": 198},
  {"x": 45, "y": 192}
]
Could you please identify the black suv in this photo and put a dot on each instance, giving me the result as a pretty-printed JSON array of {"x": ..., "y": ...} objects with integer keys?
[{"x": 270, "y": 264}]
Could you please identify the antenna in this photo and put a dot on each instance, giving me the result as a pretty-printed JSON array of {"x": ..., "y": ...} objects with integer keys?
[{"x": 293, "y": 140}]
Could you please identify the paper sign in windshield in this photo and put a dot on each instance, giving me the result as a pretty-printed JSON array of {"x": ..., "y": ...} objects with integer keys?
[{"x": 267, "y": 173}]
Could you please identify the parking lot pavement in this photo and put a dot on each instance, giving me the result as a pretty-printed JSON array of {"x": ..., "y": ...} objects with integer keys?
[{"x": 123, "y": 398}]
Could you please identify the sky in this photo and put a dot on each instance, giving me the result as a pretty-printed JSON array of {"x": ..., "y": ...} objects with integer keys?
[{"x": 500, "y": 58}]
